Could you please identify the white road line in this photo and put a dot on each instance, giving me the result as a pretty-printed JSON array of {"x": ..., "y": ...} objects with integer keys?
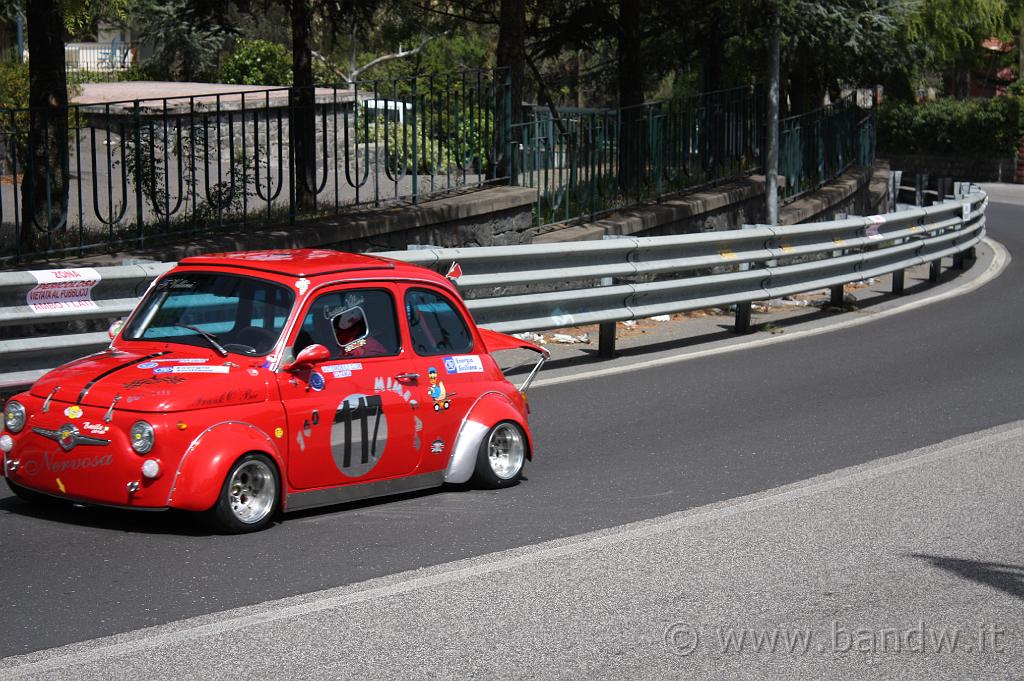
[
  {"x": 1001, "y": 258},
  {"x": 134, "y": 643}
]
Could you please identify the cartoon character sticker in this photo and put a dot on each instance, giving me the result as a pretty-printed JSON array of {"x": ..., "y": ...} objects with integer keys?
[{"x": 437, "y": 391}]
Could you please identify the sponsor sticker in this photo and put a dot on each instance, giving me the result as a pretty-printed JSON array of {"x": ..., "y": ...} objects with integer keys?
[
  {"x": 183, "y": 360},
  {"x": 352, "y": 366},
  {"x": 252, "y": 372},
  {"x": 437, "y": 447},
  {"x": 302, "y": 284},
  {"x": 95, "y": 428},
  {"x": 148, "y": 365},
  {"x": 341, "y": 374},
  {"x": 192, "y": 369},
  {"x": 316, "y": 382},
  {"x": 73, "y": 412},
  {"x": 59, "y": 290},
  {"x": 463, "y": 364},
  {"x": 876, "y": 222}
]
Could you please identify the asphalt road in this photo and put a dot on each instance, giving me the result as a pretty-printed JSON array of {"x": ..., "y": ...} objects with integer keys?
[
  {"x": 861, "y": 574},
  {"x": 611, "y": 450}
]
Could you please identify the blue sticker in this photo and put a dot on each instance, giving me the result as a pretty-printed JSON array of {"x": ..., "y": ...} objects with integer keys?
[
  {"x": 163, "y": 370},
  {"x": 148, "y": 365},
  {"x": 449, "y": 365},
  {"x": 316, "y": 382}
]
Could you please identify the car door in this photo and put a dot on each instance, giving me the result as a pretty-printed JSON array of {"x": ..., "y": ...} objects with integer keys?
[
  {"x": 349, "y": 417},
  {"x": 449, "y": 372}
]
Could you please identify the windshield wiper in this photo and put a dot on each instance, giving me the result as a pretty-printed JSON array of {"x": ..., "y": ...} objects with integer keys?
[{"x": 209, "y": 337}]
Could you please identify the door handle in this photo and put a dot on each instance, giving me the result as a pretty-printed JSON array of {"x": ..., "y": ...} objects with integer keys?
[{"x": 407, "y": 377}]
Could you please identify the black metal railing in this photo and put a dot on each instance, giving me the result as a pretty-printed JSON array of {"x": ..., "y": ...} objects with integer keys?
[{"x": 122, "y": 173}]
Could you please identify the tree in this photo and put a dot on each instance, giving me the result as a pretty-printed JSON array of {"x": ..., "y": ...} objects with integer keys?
[
  {"x": 46, "y": 181},
  {"x": 302, "y": 117},
  {"x": 511, "y": 55},
  {"x": 186, "y": 36}
]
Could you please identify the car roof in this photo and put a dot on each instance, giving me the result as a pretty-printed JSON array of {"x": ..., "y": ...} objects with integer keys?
[{"x": 311, "y": 262}]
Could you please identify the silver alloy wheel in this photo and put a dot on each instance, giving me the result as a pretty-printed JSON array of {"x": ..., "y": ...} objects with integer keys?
[
  {"x": 506, "y": 451},
  {"x": 251, "y": 491}
]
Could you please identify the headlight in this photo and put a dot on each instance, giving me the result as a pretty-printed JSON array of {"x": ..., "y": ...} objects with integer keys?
[
  {"x": 14, "y": 417},
  {"x": 141, "y": 435}
]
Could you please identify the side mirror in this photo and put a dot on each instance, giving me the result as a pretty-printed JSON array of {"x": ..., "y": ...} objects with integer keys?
[{"x": 309, "y": 355}]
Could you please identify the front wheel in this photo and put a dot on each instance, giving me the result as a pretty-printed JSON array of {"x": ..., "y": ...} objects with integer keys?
[
  {"x": 499, "y": 463},
  {"x": 248, "y": 497}
]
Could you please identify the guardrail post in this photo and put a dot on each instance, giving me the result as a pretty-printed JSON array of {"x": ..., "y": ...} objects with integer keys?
[
  {"x": 606, "y": 335},
  {"x": 934, "y": 271},
  {"x": 898, "y": 280},
  {"x": 743, "y": 310},
  {"x": 895, "y": 178},
  {"x": 606, "y": 330},
  {"x": 837, "y": 299},
  {"x": 920, "y": 184}
]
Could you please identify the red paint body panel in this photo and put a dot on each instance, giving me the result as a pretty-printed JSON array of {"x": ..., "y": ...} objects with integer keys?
[{"x": 334, "y": 423}]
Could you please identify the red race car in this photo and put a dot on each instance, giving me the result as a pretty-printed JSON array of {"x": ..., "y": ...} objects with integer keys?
[{"x": 247, "y": 383}]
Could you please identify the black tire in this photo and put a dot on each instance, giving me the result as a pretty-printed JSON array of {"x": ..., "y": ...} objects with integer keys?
[
  {"x": 508, "y": 441},
  {"x": 249, "y": 497},
  {"x": 31, "y": 496}
]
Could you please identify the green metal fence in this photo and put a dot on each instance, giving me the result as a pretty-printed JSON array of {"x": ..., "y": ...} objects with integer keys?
[
  {"x": 586, "y": 162},
  {"x": 818, "y": 146}
]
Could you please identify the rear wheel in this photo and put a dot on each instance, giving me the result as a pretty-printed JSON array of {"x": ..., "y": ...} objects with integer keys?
[
  {"x": 248, "y": 497},
  {"x": 499, "y": 463}
]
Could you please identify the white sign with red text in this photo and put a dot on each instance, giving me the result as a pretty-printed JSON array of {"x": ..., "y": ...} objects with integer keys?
[{"x": 59, "y": 290}]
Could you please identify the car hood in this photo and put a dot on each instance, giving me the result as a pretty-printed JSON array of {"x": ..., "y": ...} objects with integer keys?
[{"x": 160, "y": 378}]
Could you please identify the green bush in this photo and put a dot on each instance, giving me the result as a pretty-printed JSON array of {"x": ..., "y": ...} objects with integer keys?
[
  {"x": 13, "y": 85},
  {"x": 976, "y": 127},
  {"x": 257, "y": 62}
]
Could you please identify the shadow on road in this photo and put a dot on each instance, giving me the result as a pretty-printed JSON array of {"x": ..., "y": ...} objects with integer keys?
[{"x": 1007, "y": 578}]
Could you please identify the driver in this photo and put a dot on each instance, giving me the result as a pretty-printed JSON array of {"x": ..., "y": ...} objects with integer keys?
[{"x": 352, "y": 336}]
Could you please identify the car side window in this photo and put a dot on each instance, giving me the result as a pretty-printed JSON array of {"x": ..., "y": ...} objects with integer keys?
[
  {"x": 351, "y": 323},
  {"x": 435, "y": 325}
]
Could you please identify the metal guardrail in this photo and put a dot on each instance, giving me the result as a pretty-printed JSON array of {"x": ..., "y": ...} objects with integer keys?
[{"x": 530, "y": 287}]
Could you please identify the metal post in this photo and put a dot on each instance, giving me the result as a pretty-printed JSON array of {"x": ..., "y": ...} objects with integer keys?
[
  {"x": 771, "y": 170},
  {"x": 606, "y": 340},
  {"x": 742, "y": 324},
  {"x": 898, "y": 282},
  {"x": 919, "y": 183},
  {"x": 837, "y": 299},
  {"x": 934, "y": 271},
  {"x": 20, "y": 28}
]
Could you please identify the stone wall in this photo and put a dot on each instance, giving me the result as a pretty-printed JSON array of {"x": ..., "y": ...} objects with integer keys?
[
  {"x": 960, "y": 168},
  {"x": 859, "y": 191}
]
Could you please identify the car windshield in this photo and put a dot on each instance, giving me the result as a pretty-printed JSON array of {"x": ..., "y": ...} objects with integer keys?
[{"x": 240, "y": 314}]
